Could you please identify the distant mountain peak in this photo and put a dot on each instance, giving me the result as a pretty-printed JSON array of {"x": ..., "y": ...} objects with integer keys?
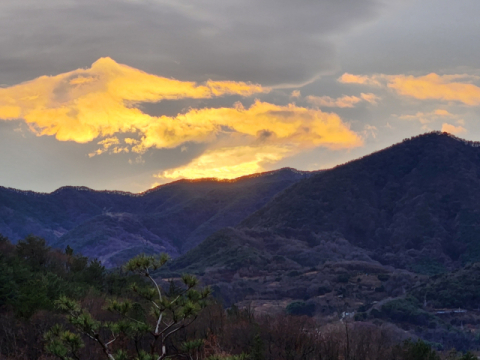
[
  {"x": 441, "y": 135},
  {"x": 69, "y": 188},
  {"x": 241, "y": 178}
]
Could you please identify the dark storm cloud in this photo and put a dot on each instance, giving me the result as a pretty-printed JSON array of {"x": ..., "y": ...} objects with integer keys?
[{"x": 269, "y": 41}]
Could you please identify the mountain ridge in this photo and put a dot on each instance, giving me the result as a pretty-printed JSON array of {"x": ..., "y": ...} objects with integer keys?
[
  {"x": 427, "y": 173},
  {"x": 158, "y": 187},
  {"x": 100, "y": 218},
  {"x": 413, "y": 206}
]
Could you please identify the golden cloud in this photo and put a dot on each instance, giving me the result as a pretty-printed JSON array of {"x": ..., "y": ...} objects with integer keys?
[
  {"x": 262, "y": 122},
  {"x": 427, "y": 87},
  {"x": 109, "y": 143},
  {"x": 342, "y": 102},
  {"x": 87, "y": 103},
  {"x": 359, "y": 79},
  {"x": 452, "y": 129},
  {"x": 227, "y": 163},
  {"x": 265, "y": 133},
  {"x": 433, "y": 86},
  {"x": 370, "y": 98},
  {"x": 101, "y": 103},
  {"x": 428, "y": 117}
]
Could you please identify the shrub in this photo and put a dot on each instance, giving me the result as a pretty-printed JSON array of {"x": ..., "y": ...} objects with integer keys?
[
  {"x": 322, "y": 290},
  {"x": 300, "y": 308},
  {"x": 383, "y": 277},
  {"x": 360, "y": 316},
  {"x": 418, "y": 350},
  {"x": 406, "y": 310},
  {"x": 343, "y": 278}
]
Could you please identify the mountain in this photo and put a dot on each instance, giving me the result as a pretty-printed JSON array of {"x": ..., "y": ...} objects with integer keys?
[
  {"x": 415, "y": 206},
  {"x": 386, "y": 238},
  {"x": 114, "y": 226}
]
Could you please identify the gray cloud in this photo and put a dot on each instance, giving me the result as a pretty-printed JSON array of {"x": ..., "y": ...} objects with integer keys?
[
  {"x": 265, "y": 41},
  {"x": 416, "y": 36}
]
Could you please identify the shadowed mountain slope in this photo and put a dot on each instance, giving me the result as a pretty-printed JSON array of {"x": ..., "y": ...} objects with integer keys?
[
  {"x": 362, "y": 239},
  {"x": 116, "y": 225},
  {"x": 415, "y": 205}
]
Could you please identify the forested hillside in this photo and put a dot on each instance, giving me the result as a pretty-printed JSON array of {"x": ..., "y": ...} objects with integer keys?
[
  {"x": 114, "y": 226},
  {"x": 350, "y": 238},
  {"x": 413, "y": 206},
  {"x": 35, "y": 282}
]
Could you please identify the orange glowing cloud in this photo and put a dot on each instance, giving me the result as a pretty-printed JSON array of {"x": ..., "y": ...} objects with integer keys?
[
  {"x": 264, "y": 134},
  {"x": 359, "y": 79},
  {"x": 87, "y": 103},
  {"x": 452, "y": 129},
  {"x": 428, "y": 117},
  {"x": 227, "y": 163},
  {"x": 433, "y": 86},
  {"x": 427, "y": 87},
  {"x": 100, "y": 103},
  {"x": 110, "y": 143},
  {"x": 262, "y": 122},
  {"x": 370, "y": 98},
  {"x": 342, "y": 102}
]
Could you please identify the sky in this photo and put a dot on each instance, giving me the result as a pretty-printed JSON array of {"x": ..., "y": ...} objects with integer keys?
[{"x": 131, "y": 94}]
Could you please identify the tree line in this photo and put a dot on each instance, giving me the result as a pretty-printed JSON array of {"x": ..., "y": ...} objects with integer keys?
[{"x": 59, "y": 304}]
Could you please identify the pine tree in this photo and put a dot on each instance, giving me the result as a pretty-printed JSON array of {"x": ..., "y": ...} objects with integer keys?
[{"x": 160, "y": 315}]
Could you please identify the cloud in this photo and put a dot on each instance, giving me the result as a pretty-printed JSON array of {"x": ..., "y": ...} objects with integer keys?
[
  {"x": 442, "y": 112},
  {"x": 428, "y": 117},
  {"x": 269, "y": 41},
  {"x": 342, "y": 102},
  {"x": 370, "y": 130},
  {"x": 102, "y": 103},
  {"x": 107, "y": 144},
  {"x": 427, "y": 87},
  {"x": 327, "y": 101},
  {"x": 433, "y": 86},
  {"x": 289, "y": 123},
  {"x": 84, "y": 104},
  {"x": 295, "y": 94},
  {"x": 359, "y": 79},
  {"x": 453, "y": 129},
  {"x": 227, "y": 163},
  {"x": 370, "y": 98},
  {"x": 258, "y": 136}
]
